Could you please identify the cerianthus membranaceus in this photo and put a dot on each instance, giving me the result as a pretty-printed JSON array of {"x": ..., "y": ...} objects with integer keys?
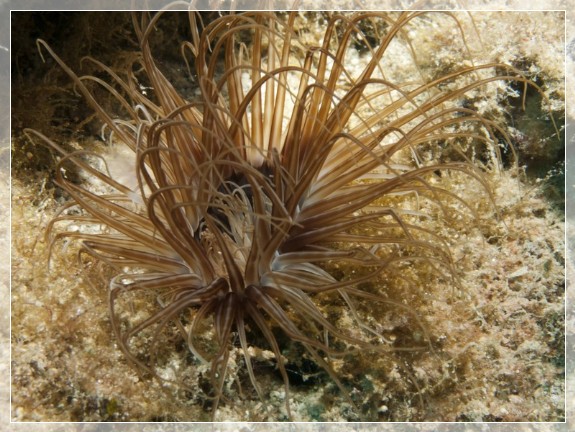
[{"x": 292, "y": 182}]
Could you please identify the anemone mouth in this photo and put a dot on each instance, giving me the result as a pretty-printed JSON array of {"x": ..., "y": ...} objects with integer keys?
[
  {"x": 253, "y": 216},
  {"x": 238, "y": 187}
]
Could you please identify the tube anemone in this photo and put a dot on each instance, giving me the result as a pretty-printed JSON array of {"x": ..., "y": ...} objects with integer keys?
[{"x": 285, "y": 186}]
